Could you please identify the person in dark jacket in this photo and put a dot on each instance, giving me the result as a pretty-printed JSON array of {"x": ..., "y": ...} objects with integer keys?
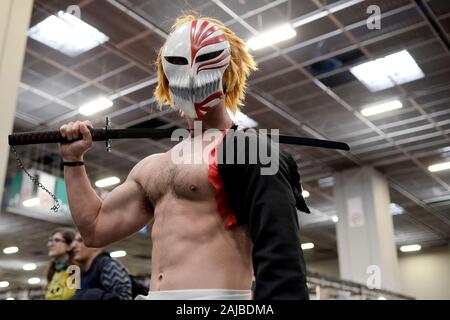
[{"x": 102, "y": 277}]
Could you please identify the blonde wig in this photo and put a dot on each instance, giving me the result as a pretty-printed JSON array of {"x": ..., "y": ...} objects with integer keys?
[{"x": 235, "y": 76}]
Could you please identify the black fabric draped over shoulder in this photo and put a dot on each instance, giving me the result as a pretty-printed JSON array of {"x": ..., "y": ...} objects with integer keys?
[{"x": 267, "y": 204}]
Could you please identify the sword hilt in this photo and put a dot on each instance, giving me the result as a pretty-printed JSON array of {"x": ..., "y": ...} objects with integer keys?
[
  {"x": 23, "y": 138},
  {"x": 17, "y": 139}
]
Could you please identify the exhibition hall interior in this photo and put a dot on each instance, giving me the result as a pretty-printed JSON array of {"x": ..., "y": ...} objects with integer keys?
[{"x": 374, "y": 75}]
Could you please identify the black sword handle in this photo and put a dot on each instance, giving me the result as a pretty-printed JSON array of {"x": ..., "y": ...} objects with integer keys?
[{"x": 37, "y": 137}]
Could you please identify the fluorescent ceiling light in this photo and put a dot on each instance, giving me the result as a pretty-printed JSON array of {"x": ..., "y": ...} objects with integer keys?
[
  {"x": 271, "y": 37},
  {"x": 95, "y": 106},
  {"x": 381, "y": 298},
  {"x": 307, "y": 246},
  {"x": 343, "y": 5},
  {"x": 67, "y": 34},
  {"x": 326, "y": 182},
  {"x": 29, "y": 266},
  {"x": 382, "y": 107},
  {"x": 396, "y": 209},
  {"x": 305, "y": 194},
  {"x": 31, "y": 202},
  {"x": 439, "y": 167},
  {"x": 118, "y": 254},
  {"x": 410, "y": 248},
  {"x": 383, "y": 73},
  {"x": 242, "y": 119},
  {"x": 10, "y": 298},
  {"x": 34, "y": 281},
  {"x": 335, "y": 219},
  {"x": 10, "y": 250},
  {"x": 4, "y": 284},
  {"x": 340, "y": 5},
  {"x": 107, "y": 182},
  {"x": 309, "y": 19}
]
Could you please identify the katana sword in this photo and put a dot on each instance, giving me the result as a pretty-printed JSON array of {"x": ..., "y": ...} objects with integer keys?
[{"x": 106, "y": 134}]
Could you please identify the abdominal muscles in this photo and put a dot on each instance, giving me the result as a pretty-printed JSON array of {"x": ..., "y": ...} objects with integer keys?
[{"x": 192, "y": 249}]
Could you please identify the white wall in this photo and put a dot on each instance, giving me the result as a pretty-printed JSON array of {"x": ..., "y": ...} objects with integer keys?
[
  {"x": 14, "y": 22},
  {"x": 324, "y": 267},
  {"x": 424, "y": 275}
]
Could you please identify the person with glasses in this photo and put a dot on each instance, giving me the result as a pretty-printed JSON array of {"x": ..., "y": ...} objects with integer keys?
[
  {"x": 102, "y": 277},
  {"x": 59, "y": 246}
]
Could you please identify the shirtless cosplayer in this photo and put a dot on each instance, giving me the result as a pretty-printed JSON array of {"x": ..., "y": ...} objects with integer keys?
[{"x": 215, "y": 225}]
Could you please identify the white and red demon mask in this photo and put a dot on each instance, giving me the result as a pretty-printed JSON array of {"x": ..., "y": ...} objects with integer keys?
[{"x": 195, "y": 57}]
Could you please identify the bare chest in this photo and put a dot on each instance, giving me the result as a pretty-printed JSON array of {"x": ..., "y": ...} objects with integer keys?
[{"x": 181, "y": 174}]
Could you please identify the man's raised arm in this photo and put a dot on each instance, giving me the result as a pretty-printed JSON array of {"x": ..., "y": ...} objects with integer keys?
[{"x": 124, "y": 211}]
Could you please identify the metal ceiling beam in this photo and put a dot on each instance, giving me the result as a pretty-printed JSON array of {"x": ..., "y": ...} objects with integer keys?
[
  {"x": 340, "y": 70},
  {"x": 380, "y": 132},
  {"x": 329, "y": 92},
  {"x": 417, "y": 94},
  {"x": 395, "y": 134},
  {"x": 354, "y": 134},
  {"x": 138, "y": 18},
  {"x": 27, "y": 118},
  {"x": 437, "y": 199},
  {"x": 152, "y": 80},
  {"x": 78, "y": 76},
  {"x": 331, "y": 34},
  {"x": 349, "y": 66},
  {"x": 321, "y": 38},
  {"x": 406, "y": 141},
  {"x": 419, "y": 154},
  {"x": 87, "y": 84},
  {"x": 400, "y": 189},
  {"x": 45, "y": 95},
  {"x": 141, "y": 19},
  {"x": 117, "y": 94},
  {"x": 410, "y": 171},
  {"x": 49, "y": 9},
  {"x": 256, "y": 11},
  {"x": 263, "y": 98},
  {"x": 370, "y": 56},
  {"x": 95, "y": 57},
  {"x": 370, "y": 39},
  {"x": 321, "y": 12},
  {"x": 439, "y": 32},
  {"x": 381, "y": 116},
  {"x": 73, "y": 107},
  {"x": 135, "y": 87}
]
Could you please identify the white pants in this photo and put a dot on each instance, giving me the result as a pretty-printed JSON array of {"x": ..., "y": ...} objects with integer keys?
[{"x": 198, "y": 294}]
